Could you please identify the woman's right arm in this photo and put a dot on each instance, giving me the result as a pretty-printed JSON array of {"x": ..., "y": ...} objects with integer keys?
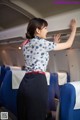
[{"x": 69, "y": 42}]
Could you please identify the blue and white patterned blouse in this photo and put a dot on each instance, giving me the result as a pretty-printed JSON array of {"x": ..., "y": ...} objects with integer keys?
[{"x": 36, "y": 54}]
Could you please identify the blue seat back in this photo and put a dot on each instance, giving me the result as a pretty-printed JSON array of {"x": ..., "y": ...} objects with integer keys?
[
  {"x": 53, "y": 90},
  {"x": 3, "y": 71},
  {"x": 68, "y": 77},
  {"x": 67, "y": 103},
  {"x": 7, "y": 94}
]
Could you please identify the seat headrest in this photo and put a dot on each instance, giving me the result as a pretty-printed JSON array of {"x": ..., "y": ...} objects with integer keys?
[
  {"x": 17, "y": 76},
  {"x": 77, "y": 92},
  {"x": 15, "y": 68},
  {"x": 62, "y": 78}
]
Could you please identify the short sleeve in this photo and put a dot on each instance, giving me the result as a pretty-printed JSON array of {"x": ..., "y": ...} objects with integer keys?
[{"x": 48, "y": 45}]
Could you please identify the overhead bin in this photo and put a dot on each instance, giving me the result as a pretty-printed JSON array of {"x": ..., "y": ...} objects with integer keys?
[{"x": 56, "y": 23}]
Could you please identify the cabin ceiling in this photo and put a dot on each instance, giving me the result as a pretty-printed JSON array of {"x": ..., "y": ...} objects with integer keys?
[{"x": 16, "y": 12}]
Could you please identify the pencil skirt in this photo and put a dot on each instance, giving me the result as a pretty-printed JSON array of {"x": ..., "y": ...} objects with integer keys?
[{"x": 32, "y": 97}]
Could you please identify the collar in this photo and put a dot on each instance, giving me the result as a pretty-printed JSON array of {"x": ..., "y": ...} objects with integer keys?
[{"x": 37, "y": 37}]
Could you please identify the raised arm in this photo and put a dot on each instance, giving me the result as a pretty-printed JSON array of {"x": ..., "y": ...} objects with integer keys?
[{"x": 69, "y": 42}]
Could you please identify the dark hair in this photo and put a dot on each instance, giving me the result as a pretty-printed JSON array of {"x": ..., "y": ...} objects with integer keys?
[{"x": 33, "y": 24}]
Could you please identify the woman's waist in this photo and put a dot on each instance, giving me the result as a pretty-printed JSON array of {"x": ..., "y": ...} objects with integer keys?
[{"x": 35, "y": 72}]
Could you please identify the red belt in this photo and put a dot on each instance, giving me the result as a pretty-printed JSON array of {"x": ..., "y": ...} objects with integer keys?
[{"x": 36, "y": 72}]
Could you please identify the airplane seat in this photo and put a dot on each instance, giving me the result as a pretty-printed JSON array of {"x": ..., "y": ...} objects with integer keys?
[
  {"x": 70, "y": 101},
  {"x": 7, "y": 68},
  {"x": 15, "y": 68},
  {"x": 0, "y": 69},
  {"x": 57, "y": 80},
  {"x": 53, "y": 91},
  {"x": 8, "y": 90},
  {"x": 3, "y": 71},
  {"x": 68, "y": 77},
  {"x": 7, "y": 94},
  {"x": 63, "y": 77}
]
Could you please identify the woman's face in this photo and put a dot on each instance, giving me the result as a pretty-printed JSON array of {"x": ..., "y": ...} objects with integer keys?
[{"x": 42, "y": 32}]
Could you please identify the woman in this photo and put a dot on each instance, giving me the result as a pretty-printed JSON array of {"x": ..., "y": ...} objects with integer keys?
[{"x": 32, "y": 99}]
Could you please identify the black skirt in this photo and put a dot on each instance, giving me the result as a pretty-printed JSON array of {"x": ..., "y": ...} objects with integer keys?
[{"x": 32, "y": 98}]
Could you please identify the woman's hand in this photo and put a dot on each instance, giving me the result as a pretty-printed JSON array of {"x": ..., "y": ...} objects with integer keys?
[
  {"x": 56, "y": 38},
  {"x": 69, "y": 42},
  {"x": 73, "y": 24}
]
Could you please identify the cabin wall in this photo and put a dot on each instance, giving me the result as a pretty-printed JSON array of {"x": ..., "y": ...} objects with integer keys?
[
  {"x": 66, "y": 60},
  {"x": 12, "y": 57}
]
